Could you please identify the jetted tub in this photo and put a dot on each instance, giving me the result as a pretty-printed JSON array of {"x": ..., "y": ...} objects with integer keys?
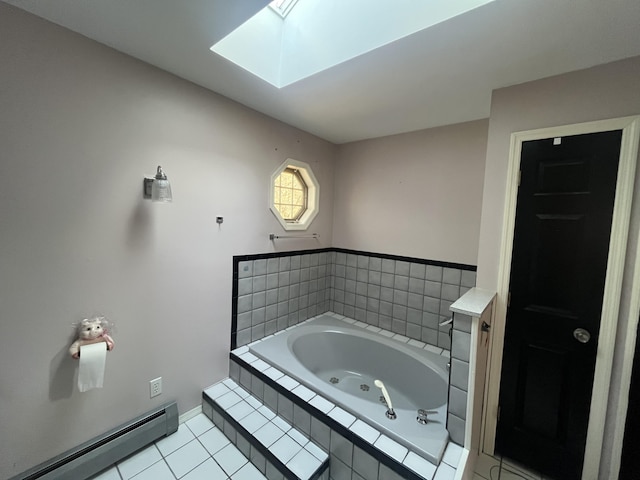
[{"x": 340, "y": 361}]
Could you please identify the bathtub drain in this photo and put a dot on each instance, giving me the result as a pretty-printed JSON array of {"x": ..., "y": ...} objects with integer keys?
[
  {"x": 334, "y": 380},
  {"x": 364, "y": 387}
]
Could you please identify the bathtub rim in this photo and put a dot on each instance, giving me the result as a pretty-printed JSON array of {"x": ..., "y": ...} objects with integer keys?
[{"x": 341, "y": 322}]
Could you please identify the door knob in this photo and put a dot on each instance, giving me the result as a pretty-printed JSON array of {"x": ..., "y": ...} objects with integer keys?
[{"x": 581, "y": 335}]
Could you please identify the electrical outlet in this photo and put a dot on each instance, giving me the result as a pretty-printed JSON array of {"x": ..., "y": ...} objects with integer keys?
[{"x": 155, "y": 387}]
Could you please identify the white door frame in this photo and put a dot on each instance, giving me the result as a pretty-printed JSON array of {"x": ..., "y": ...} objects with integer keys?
[{"x": 630, "y": 127}]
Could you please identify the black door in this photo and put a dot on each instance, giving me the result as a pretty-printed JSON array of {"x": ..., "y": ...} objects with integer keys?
[{"x": 561, "y": 244}]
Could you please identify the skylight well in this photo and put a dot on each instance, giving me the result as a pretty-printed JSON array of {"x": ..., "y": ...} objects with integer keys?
[
  {"x": 299, "y": 42},
  {"x": 282, "y": 7}
]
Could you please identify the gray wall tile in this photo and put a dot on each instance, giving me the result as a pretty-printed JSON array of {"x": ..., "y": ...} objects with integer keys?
[
  {"x": 418, "y": 270},
  {"x": 451, "y": 275},
  {"x": 364, "y": 464},
  {"x": 459, "y": 374},
  {"x": 462, "y": 322},
  {"x": 434, "y": 273},
  {"x": 245, "y": 269},
  {"x": 460, "y": 345},
  {"x": 456, "y": 427},
  {"x": 260, "y": 267},
  {"x": 458, "y": 402},
  {"x": 341, "y": 448},
  {"x": 320, "y": 433}
]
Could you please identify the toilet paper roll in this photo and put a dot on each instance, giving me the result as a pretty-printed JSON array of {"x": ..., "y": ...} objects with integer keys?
[{"x": 93, "y": 359}]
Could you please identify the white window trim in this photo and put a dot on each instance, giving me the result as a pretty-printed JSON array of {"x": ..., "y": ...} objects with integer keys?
[{"x": 313, "y": 195}]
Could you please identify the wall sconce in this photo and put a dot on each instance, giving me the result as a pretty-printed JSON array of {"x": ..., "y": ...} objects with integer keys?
[{"x": 158, "y": 189}]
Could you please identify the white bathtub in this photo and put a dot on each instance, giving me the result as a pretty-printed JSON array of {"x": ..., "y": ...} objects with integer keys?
[{"x": 341, "y": 361}]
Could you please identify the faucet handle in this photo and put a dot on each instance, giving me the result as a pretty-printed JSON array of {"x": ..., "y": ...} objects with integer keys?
[{"x": 422, "y": 416}]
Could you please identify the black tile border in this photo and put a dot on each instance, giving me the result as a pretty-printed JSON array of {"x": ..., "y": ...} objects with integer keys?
[
  {"x": 266, "y": 453},
  {"x": 290, "y": 253},
  {"x": 391, "y": 463},
  {"x": 424, "y": 261}
]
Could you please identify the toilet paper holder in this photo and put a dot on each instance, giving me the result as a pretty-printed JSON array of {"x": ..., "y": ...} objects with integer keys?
[{"x": 92, "y": 330}]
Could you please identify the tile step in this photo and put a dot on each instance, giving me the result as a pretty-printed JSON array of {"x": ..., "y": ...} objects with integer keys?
[{"x": 277, "y": 449}]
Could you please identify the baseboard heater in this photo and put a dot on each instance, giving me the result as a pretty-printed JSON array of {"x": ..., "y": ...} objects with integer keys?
[{"x": 95, "y": 455}]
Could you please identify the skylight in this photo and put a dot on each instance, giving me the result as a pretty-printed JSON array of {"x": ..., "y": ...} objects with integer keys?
[{"x": 319, "y": 34}]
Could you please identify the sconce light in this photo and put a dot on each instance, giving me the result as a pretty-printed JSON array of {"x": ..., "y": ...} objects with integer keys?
[{"x": 158, "y": 189}]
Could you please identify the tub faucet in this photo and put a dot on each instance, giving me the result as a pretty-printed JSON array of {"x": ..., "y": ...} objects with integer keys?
[{"x": 391, "y": 415}]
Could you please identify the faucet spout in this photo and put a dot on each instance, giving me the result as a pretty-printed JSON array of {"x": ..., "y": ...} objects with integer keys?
[{"x": 390, "y": 412}]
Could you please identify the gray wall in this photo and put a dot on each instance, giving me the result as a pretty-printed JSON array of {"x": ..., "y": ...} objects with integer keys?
[
  {"x": 416, "y": 194},
  {"x": 605, "y": 91},
  {"x": 80, "y": 126}
]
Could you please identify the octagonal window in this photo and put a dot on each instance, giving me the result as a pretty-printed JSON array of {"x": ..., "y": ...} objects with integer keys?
[{"x": 294, "y": 193}]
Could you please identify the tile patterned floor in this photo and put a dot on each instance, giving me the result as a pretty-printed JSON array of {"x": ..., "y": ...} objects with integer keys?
[
  {"x": 494, "y": 468},
  {"x": 197, "y": 451}
]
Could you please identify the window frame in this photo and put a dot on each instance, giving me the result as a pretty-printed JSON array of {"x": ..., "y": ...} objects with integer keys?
[{"x": 312, "y": 195}]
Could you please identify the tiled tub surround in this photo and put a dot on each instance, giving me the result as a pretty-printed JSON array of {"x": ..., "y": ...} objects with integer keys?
[
  {"x": 409, "y": 296},
  {"x": 357, "y": 450},
  {"x": 404, "y": 295},
  {"x": 459, "y": 383},
  {"x": 343, "y": 360},
  {"x": 272, "y": 292}
]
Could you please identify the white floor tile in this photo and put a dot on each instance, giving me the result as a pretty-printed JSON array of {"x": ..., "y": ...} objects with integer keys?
[
  {"x": 445, "y": 472},
  {"x": 241, "y": 392},
  {"x": 174, "y": 441},
  {"x": 304, "y": 393},
  {"x": 342, "y": 416},
  {"x": 285, "y": 448},
  {"x": 391, "y": 448},
  {"x": 287, "y": 382},
  {"x": 298, "y": 437},
  {"x": 261, "y": 365},
  {"x": 108, "y": 474},
  {"x": 420, "y": 465},
  {"x": 217, "y": 390},
  {"x": 228, "y": 400},
  {"x": 253, "y": 421},
  {"x": 213, "y": 440},
  {"x": 452, "y": 455},
  {"x": 187, "y": 458},
  {"x": 208, "y": 470},
  {"x": 230, "y": 459},
  {"x": 199, "y": 424},
  {"x": 281, "y": 424},
  {"x": 157, "y": 471},
  {"x": 273, "y": 373},
  {"x": 248, "y": 472},
  {"x": 230, "y": 383},
  {"x": 266, "y": 412},
  {"x": 303, "y": 464},
  {"x": 321, "y": 404},
  {"x": 365, "y": 431},
  {"x": 139, "y": 461},
  {"x": 254, "y": 402},
  {"x": 240, "y": 410},
  {"x": 268, "y": 434},
  {"x": 316, "y": 451}
]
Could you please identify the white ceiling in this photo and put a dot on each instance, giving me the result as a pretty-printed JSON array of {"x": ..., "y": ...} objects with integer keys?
[{"x": 438, "y": 76}]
